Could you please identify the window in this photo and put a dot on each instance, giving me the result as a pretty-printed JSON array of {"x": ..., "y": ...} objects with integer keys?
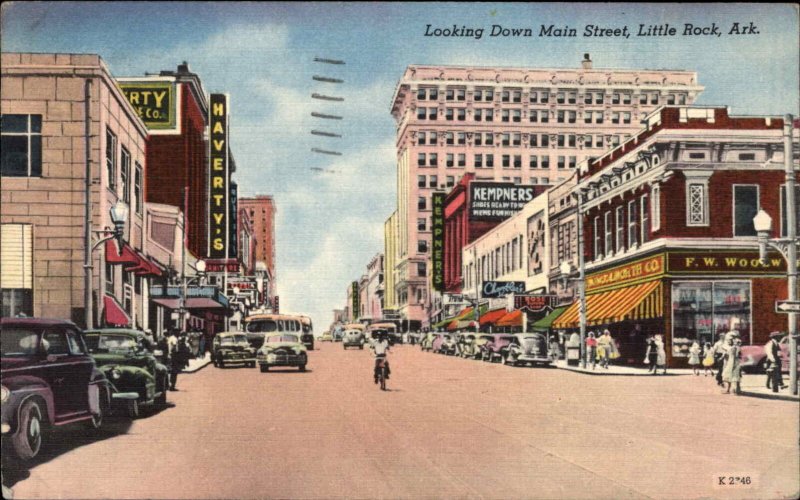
[
  {"x": 421, "y": 113},
  {"x": 697, "y": 156},
  {"x": 448, "y": 114},
  {"x": 598, "y": 117},
  {"x": 704, "y": 309},
  {"x": 489, "y": 140},
  {"x": 461, "y": 94},
  {"x": 462, "y": 138},
  {"x": 784, "y": 224},
  {"x": 533, "y": 161},
  {"x": 626, "y": 98},
  {"x": 433, "y": 181},
  {"x": 560, "y": 98},
  {"x": 545, "y": 164},
  {"x": 432, "y": 158},
  {"x": 545, "y": 180},
  {"x": 544, "y": 97},
  {"x": 421, "y": 138},
  {"x": 56, "y": 342},
  {"x": 517, "y": 180},
  {"x": 462, "y": 160},
  {"x": 516, "y": 96},
  {"x": 544, "y": 116},
  {"x": 516, "y": 115},
  {"x": 545, "y": 140},
  {"x": 559, "y": 116},
  {"x": 516, "y": 139},
  {"x": 573, "y": 162},
  {"x": 421, "y": 94},
  {"x": 421, "y": 203},
  {"x": 517, "y": 161},
  {"x": 21, "y": 145},
  {"x": 571, "y": 140},
  {"x": 598, "y": 251},
  {"x": 422, "y": 269},
  {"x": 421, "y": 181},
  {"x": 587, "y": 117},
  {"x": 560, "y": 139},
  {"x": 448, "y": 138},
  {"x": 572, "y": 116},
  {"x": 111, "y": 158},
  {"x": 607, "y": 234},
  {"x": 614, "y": 141},
  {"x": 598, "y": 141},
  {"x": 681, "y": 98},
  {"x": 489, "y": 115},
  {"x": 654, "y": 98},
  {"x": 561, "y": 162},
  {"x": 626, "y": 117},
  {"x": 598, "y": 98},
  {"x": 587, "y": 141},
  {"x": 633, "y": 224},
  {"x": 433, "y": 94},
  {"x": 420, "y": 159},
  {"x": 432, "y": 139},
  {"x": 643, "y": 99},
  {"x": 477, "y": 114},
  {"x": 125, "y": 174},
  {"x": 451, "y": 181},
  {"x": 572, "y": 97},
  {"x": 615, "y": 117},
  {"x": 534, "y": 141},
  {"x": 645, "y": 213},
  {"x": 587, "y": 99},
  {"x": 505, "y": 117},
  {"x": 747, "y": 156},
  {"x": 449, "y": 94},
  {"x": 449, "y": 160},
  {"x": 478, "y": 139},
  {"x": 534, "y": 180},
  {"x": 422, "y": 246},
  {"x": 462, "y": 114},
  {"x": 490, "y": 160},
  {"x": 506, "y": 161},
  {"x": 534, "y": 96},
  {"x": 422, "y": 224},
  {"x": 431, "y": 113},
  {"x": 615, "y": 98},
  {"x": 505, "y": 96},
  {"x": 506, "y": 139},
  {"x": 655, "y": 207},
  {"x": 533, "y": 116},
  {"x": 745, "y": 207},
  {"x": 620, "y": 226},
  {"x": 478, "y": 160},
  {"x": 697, "y": 205},
  {"x": 478, "y": 96}
]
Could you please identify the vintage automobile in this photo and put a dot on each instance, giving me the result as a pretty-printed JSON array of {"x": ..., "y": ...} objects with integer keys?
[
  {"x": 283, "y": 349},
  {"x": 136, "y": 377},
  {"x": 528, "y": 348},
  {"x": 353, "y": 338},
  {"x": 426, "y": 342},
  {"x": 754, "y": 357},
  {"x": 231, "y": 348},
  {"x": 326, "y": 337},
  {"x": 48, "y": 378},
  {"x": 495, "y": 349},
  {"x": 466, "y": 345},
  {"x": 444, "y": 343}
]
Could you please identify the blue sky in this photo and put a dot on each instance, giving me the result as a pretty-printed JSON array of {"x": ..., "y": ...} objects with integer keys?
[{"x": 331, "y": 223}]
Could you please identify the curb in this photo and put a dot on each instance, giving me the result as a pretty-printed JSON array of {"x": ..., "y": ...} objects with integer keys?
[
  {"x": 771, "y": 395},
  {"x": 195, "y": 370},
  {"x": 606, "y": 373}
]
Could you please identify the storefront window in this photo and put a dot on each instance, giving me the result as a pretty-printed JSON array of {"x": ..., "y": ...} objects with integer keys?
[{"x": 701, "y": 310}]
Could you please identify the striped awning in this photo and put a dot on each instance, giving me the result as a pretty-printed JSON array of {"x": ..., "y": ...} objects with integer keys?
[
  {"x": 642, "y": 301},
  {"x": 514, "y": 318}
]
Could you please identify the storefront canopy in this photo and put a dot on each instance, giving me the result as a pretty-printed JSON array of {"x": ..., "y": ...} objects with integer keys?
[
  {"x": 546, "y": 322},
  {"x": 125, "y": 255},
  {"x": 514, "y": 318},
  {"x": 491, "y": 317},
  {"x": 642, "y": 301},
  {"x": 113, "y": 313}
]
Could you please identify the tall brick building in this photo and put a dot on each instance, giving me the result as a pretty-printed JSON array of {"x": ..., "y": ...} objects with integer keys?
[{"x": 261, "y": 212}]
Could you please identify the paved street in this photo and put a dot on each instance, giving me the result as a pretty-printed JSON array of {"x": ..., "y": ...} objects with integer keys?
[{"x": 449, "y": 428}]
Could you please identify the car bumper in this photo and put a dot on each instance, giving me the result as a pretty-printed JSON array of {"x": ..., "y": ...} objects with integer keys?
[
  {"x": 532, "y": 358},
  {"x": 237, "y": 358},
  {"x": 281, "y": 360}
]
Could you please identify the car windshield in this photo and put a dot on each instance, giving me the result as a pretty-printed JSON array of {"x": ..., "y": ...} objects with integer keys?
[
  {"x": 111, "y": 344},
  {"x": 274, "y": 339},
  {"x": 262, "y": 326},
  {"x": 18, "y": 341},
  {"x": 233, "y": 339}
]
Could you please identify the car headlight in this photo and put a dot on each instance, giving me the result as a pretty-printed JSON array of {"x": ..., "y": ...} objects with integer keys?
[
  {"x": 4, "y": 393},
  {"x": 116, "y": 374}
]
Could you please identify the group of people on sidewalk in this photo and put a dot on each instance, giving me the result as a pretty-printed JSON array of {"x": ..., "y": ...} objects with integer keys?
[
  {"x": 176, "y": 346},
  {"x": 602, "y": 348}
]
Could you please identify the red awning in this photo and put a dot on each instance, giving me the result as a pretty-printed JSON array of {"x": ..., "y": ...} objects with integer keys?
[
  {"x": 492, "y": 316},
  {"x": 126, "y": 256},
  {"x": 514, "y": 318},
  {"x": 114, "y": 314},
  {"x": 147, "y": 267}
]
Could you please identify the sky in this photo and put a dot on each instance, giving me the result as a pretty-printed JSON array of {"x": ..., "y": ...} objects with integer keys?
[{"x": 331, "y": 209}]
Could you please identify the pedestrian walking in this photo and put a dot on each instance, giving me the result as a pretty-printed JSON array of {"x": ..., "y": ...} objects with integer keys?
[
  {"x": 661, "y": 357},
  {"x": 604, "y": 344},
  {"x": 591, "y": 349},
  {"x": 201, "y": 351},
  {"x": 708, "y": 359},
  {"x": 651, "y": 355},
  {"x": 773, "y": 352},
  {"x": 720, "y": 349},
  {"x": 694, "y": 357},
  {"x": 731, "y": 372}
]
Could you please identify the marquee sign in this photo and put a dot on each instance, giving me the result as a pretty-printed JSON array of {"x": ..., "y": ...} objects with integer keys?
[
  {"x": 493, "y": 289},
  {"x": 437, "y": 243},
  {"x": 724, "y": 262},
  {"x": 219, "y": 177},
  {"x": 628, "y": 273},
  {"x": 154, "y": 101},
  {"x": 535, "y": 303},
  {"x": 494, "y": 201}
]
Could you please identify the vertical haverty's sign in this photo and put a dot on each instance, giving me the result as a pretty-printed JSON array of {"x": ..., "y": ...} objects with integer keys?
[
  {"x": 218, "y": 225},
  {"x": 233, "y": 250},
  {"x": 437, "y": 243}
]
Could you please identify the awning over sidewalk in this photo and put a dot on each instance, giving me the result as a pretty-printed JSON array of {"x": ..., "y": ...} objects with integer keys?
[
  {"x": 113, "y": 313},
  {"x": 514, "y": 318},
  {"x": 642, "y": 301},
  {"x": 491, "y": 317},
  {"x": 191, "y": 303},
  {"x": 125, "y": 255},
  {"x": 546, "y": 322}
]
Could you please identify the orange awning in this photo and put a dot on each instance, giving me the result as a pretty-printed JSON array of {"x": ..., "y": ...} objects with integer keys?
[
  {"x": 642, "y": 301},
  {"x": 492, "y": 316},
  {"x": 514, "y": 318}
]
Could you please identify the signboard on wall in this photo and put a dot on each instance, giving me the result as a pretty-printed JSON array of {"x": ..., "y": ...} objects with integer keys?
[
  {"x": 219, "y": 176},
  {"x": 437, "y": 243},
  {"x": 355, "y": 300},
  {"x": 628, "y": 273},
  {"x": 724, "y": 262},
  {"x": 536, "y": 250},
  {"x": 494, "y": 289},
  {"x": 494, "y": 201},
  {"x": 233, "y": 251},
  {"x": 535, "y": 303},
  {"x": 155, "y": 102}
]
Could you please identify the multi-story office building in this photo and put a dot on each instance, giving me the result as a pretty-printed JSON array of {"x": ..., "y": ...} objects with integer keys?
[
  {"x": 521, "y": 125},
  {"x": 261, "y": 213}
]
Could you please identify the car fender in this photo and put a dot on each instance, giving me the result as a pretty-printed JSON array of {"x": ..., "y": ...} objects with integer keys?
[{"x": 25, "y": 387}]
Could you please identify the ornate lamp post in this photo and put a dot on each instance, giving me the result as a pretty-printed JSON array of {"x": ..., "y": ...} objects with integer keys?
[
  {"x": 566, "y": 269},
  {"x": 119, "y": 215},
  {"x": 200, "y": 267}
]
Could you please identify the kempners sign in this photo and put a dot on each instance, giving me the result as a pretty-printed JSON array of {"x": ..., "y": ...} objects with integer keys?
[{"x": 497, "y": 200}]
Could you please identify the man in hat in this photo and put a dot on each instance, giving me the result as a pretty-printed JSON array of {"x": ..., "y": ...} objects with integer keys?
[
  {"x": 719, "y": 355},
  {"x": 773, "y": 352}
]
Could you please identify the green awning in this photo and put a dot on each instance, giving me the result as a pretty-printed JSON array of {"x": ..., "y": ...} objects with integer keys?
[
  {"x": 466, "y": 314},
  {"x": 546, "y": 322}
]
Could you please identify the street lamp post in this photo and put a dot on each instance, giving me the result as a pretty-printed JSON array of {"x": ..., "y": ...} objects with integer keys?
[
  {"x": 786, "y": 246},
  {"x": 118, "y": 214},
  {"x": 566, "y": 271},
  {"x": 200, "y": 267}
]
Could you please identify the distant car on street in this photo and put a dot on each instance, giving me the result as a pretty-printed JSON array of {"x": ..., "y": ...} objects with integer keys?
[
  {"x": 353, "y": 338},
  {"x": 282, "y": 350},
  {"x": 48, "y": 378},
  {"x": 326, "y": 337},
  {"x": 231, "y": 348},
  {"x": 136, "y": 377}
]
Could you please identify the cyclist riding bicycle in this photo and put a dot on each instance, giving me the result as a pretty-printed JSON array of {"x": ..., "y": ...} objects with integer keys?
[{"x": 380, "y": 347}]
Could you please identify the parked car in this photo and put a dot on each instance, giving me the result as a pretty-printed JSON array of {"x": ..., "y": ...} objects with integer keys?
[
  {"x": 754, "y": 357},
  {"x": 498, "y": 347},
  {"x": 136, "y": 377},
  {"x": 353, "y": 338},
  {"x": 229, "y": 348},
  {"x": 447, "y": 346},
  {"x": 426, "y": 341},
  {"x": 282, "y": 350},
  {"x": 48, "y": 378},
  {"x": 529, "y": 348},
  {"x": 326, "y": 337}
]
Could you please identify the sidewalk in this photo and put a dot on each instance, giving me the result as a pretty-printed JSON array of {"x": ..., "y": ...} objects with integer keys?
[
  {"x": 196, "y": 364},
  {"x": 630, "y": 371},
  {"x": 755, "y": 385}
]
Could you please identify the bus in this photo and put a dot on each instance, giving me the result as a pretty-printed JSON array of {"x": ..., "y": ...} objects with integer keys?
[
  {"x": 390, "y": 328},
  {"x": 257, "y": 325}
]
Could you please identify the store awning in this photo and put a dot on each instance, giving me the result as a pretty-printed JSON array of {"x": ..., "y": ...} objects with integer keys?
[
  {"x": 491, "y": 317},
  {"x": 126, "y": 255},
  {"x": 643, "y": 301},
  {"x": 514, "y": 318},
  {"x": 113, "y": 313},
  {"x": 546, "y": 322}
]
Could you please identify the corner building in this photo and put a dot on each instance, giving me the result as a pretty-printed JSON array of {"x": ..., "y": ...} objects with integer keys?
[{"x": 519, "y": 125}]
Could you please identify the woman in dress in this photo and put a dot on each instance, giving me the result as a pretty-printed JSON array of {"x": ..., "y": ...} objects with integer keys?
[
  {"x": 708, "y": 360},
  {"x": 694, "y": 358},
  {"x": 661, "y": 359},
  {"x": 651, "y": 355},
  {"x": 731, "y": 369}
]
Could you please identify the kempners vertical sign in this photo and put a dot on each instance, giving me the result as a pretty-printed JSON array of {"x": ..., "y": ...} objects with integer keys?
[
  {"x": 218, "y": 226},
  {"x": 437, "y": 243}
]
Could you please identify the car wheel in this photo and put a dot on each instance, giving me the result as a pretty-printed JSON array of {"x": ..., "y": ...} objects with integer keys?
[
  {"x": 133, "y": 408},
  {"x": 504, "y": 359},
  {"x": 264, "y": 368},
  {"x": 302, "y": 368},
  {"x": 27, "y": 441},
  {"x": 361, "y": 347}
]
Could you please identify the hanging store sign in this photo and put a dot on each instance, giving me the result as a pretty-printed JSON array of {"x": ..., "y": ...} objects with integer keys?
[
  {"x": 233, "y": 230},
  {"x": 494, "y": 201},
  {"x": 437, "y": 243},
  {"x": 154, "y": 101},
  {"x": 494, "y": 289},
  {"x": 222, "y": 266},
  {"x": 219, "y": 177},
  {"x": 638, "y": 270},
  {"x": 724, "y": 263},
  {"x": 535, "y": 303},
  {"x": 356, "y": 300}
]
